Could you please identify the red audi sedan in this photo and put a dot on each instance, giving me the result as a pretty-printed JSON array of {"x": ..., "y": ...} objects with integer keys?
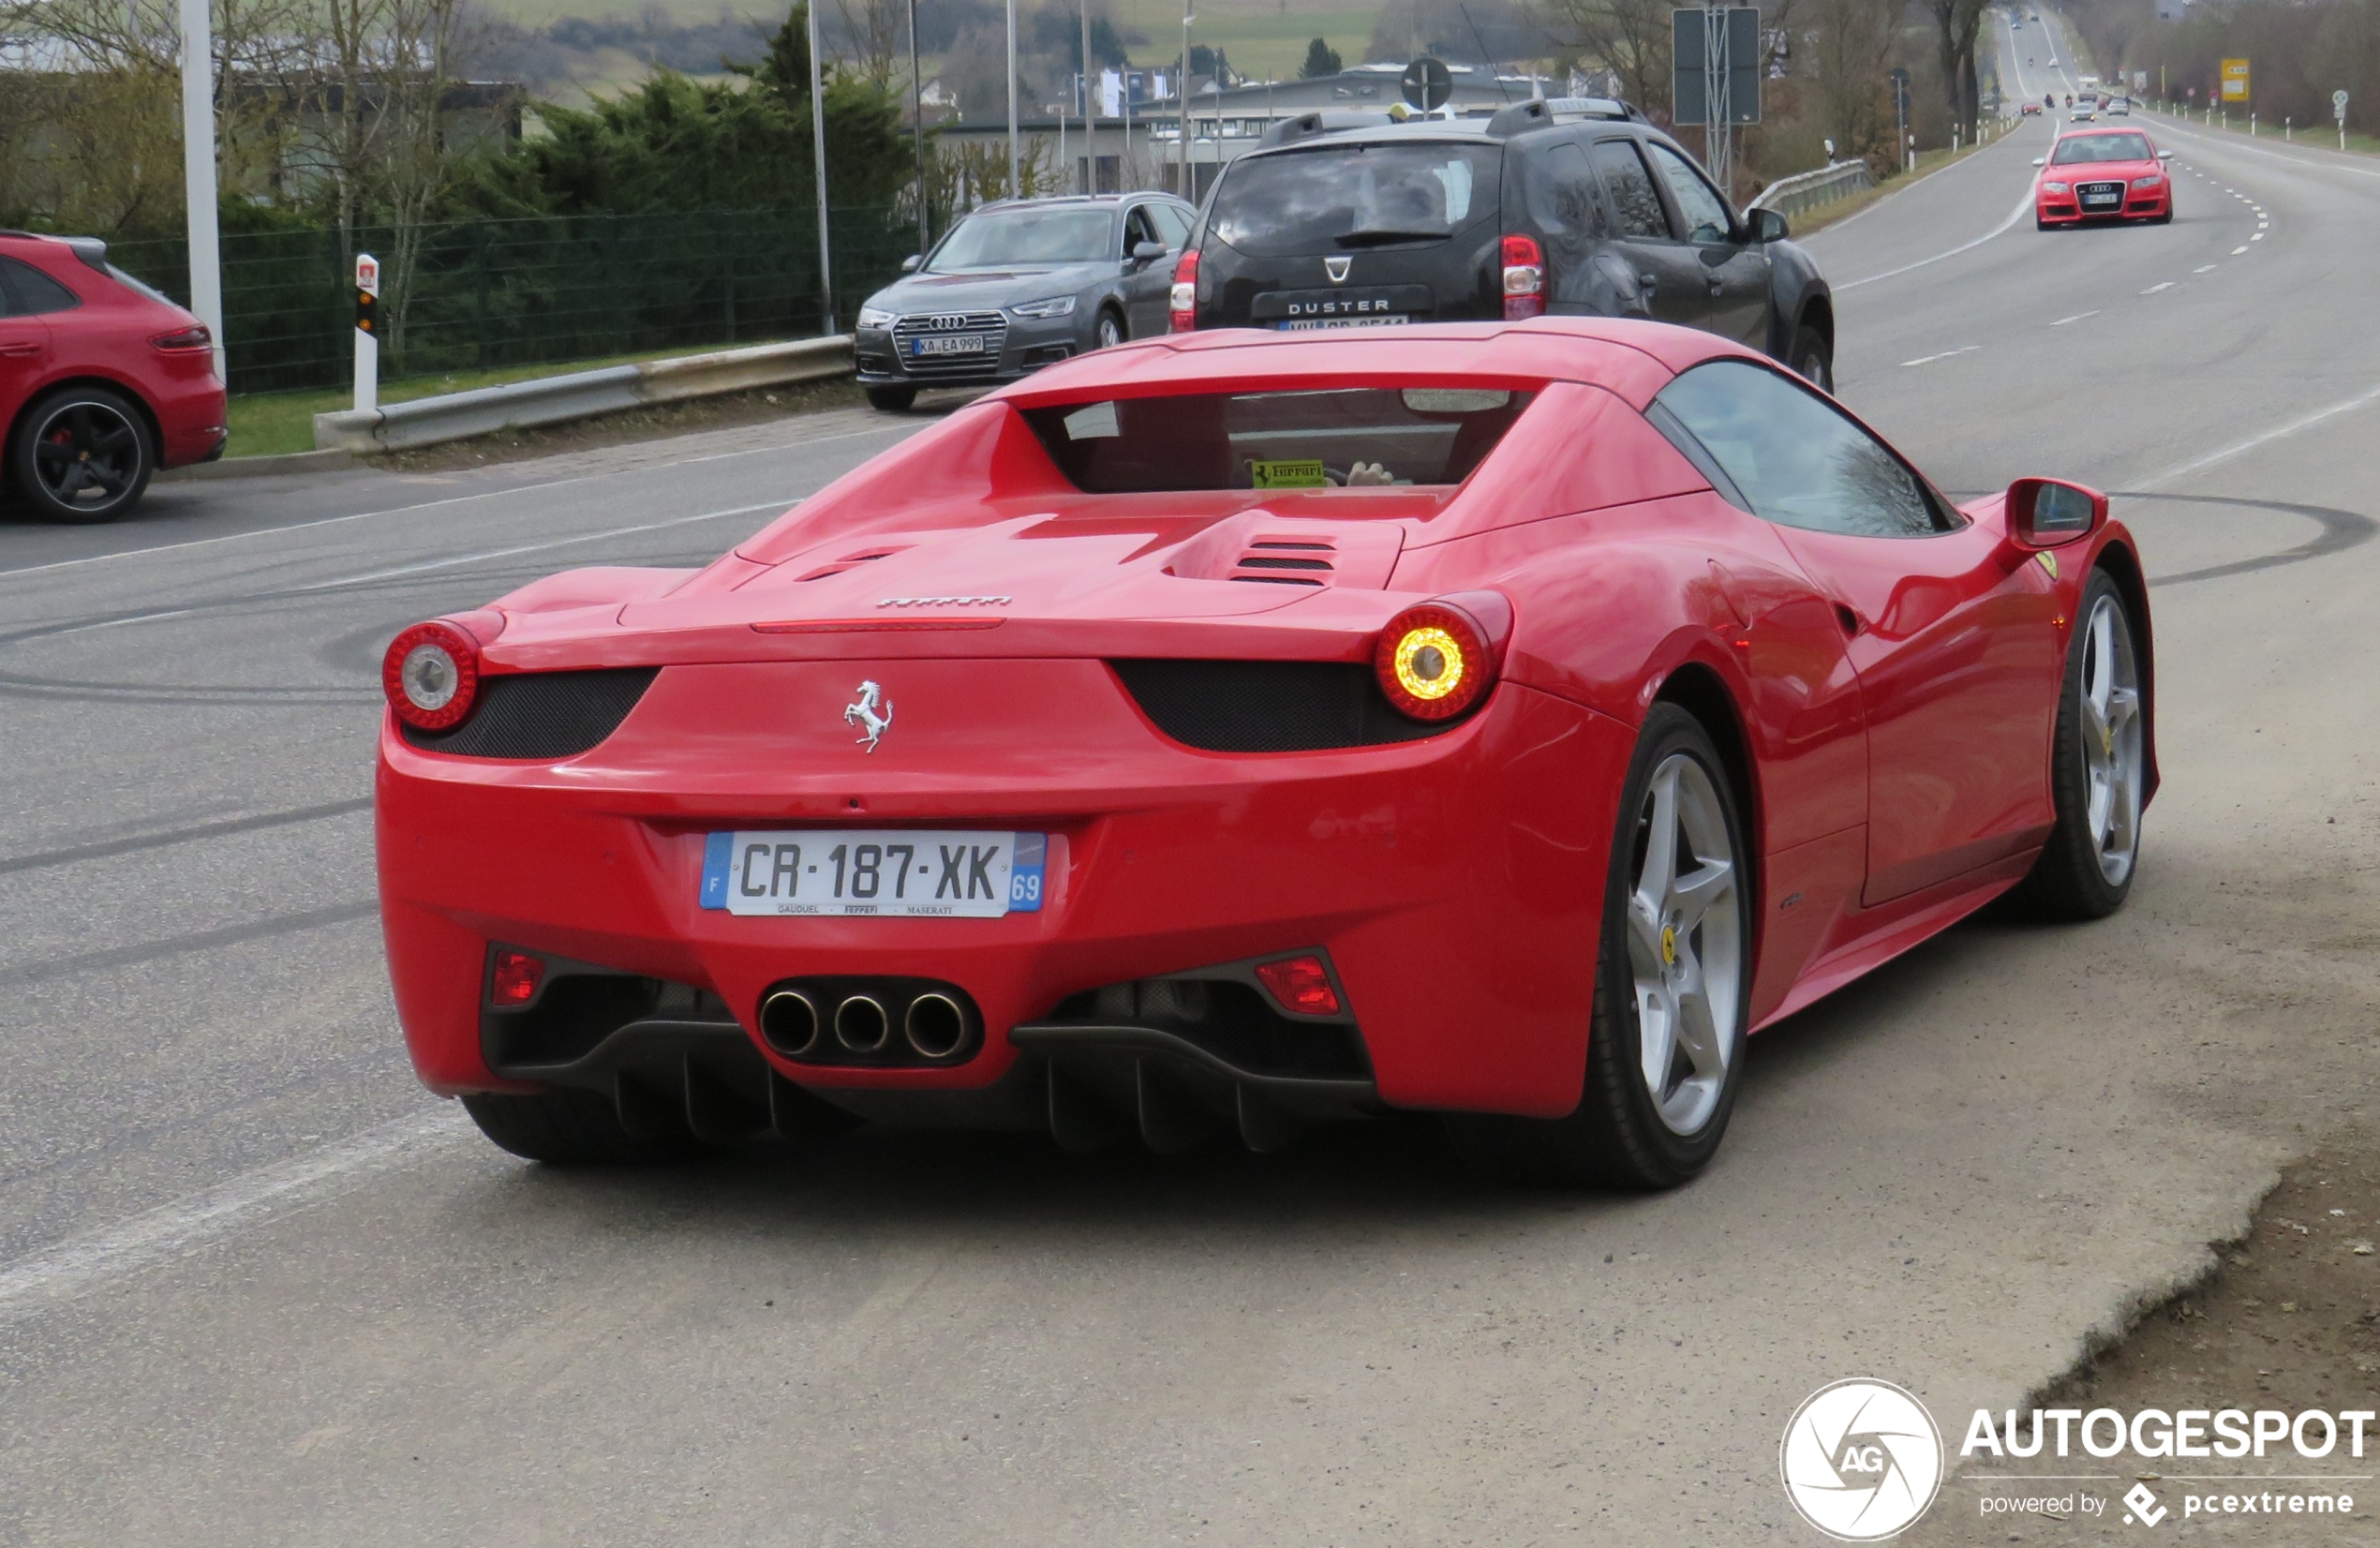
[
  {"x": 102, "y": 380},
  {"x": 2103, "y": 175}
]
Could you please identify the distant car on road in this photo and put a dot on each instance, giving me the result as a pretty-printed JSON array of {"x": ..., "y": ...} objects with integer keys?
[
  {"x": 2084, "y": 112},
  {"x": 1230, "y": 733},
  {"x": 2029, "y": 109},
  {"x": 102, "y": 380},
  {"x": 1018, "y": 285},
  {"x": 1575, "y": 207},
  {"x": 2103, "y": 175},
  {"x": 2120, "y": 108}
]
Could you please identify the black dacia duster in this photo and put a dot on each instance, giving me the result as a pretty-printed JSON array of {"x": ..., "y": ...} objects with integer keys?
[{"x": 1574, "y": 206}]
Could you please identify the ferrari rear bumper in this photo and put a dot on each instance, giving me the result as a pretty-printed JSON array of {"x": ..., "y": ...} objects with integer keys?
[{"x": 1452, "y": 884}]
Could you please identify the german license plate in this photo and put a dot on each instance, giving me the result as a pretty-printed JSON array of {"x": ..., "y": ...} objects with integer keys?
[
  {"x": 947, "y": 343},
  {"x": 2102, "y": 198},
  {"x": 1307, "y": 324},
  {"x": 895, "y": 872}
]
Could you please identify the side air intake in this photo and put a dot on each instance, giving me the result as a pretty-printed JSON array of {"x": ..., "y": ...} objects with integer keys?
[
  {"x": 1269, "y": 707},
  {"x": 539, "y": 715}
]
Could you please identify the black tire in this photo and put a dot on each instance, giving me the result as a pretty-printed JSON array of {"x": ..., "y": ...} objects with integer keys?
[
  {"x": 2072, "y": 879},
  {"x": 1812, "y": 361},
  {"x": 892, "y": 400},
  {"x": 2040, "y": 225},
  {"x": 81, "y": 454},
  {"x": 1617, "y": 1137},
  {"x": 567, "y": 1128},
  {"x": 1109, "y": 331}
]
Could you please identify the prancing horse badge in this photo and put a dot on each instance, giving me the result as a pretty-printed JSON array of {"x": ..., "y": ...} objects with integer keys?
[{"x": 865, "y": 714}]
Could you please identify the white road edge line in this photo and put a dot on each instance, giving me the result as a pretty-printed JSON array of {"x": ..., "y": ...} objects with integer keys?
[
  {"x": 1929, "y": 360},
  {"x": 2200, "y": 465},
  {"x": 2024, "y": 207},
  {"x": 174, "y": 1229},
  {"x": 778, "y": 504},
  {"x": 7, "y": 575}
]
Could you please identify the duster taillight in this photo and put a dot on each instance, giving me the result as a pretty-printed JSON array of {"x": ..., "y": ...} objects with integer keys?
[
  {"x": 1184, "y": 306},
  {"x": 1524, "y": 277}
]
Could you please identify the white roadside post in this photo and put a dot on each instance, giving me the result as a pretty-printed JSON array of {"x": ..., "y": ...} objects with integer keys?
[
  {"x": 2339, "y": 111},
  {"x": 367, "y": 333},
  {"x": 198, "y": 171}
]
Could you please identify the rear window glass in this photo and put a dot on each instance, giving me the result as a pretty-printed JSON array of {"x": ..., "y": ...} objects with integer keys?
[
  {"x": 2102, "y": 147},
  {"x": 1342, "y": 197},
  {"x": 1337, "y": 438}
]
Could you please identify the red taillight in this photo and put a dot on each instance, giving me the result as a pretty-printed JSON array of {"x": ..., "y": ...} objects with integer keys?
[
  {"x": 193, "y": 337},
  {"x": 1435, "y": 660},
  {"x": 517, "y": 977},
  {"x": 1185, "y": 292},
  {"x": 1523, "y": 276},
  {"x": 1302, "y": 984},
  {"x": 431, "y": 674}
]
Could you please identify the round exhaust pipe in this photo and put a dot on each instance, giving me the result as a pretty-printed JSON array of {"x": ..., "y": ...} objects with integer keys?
[
  {"x": 935, "y": 1026},
  {"x": 789, "y": 1021},
  {"x": 861, "y": 1024}
]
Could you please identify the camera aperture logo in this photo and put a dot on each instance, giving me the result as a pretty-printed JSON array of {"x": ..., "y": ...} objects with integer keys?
[{"x": 1861, "y": 1460}]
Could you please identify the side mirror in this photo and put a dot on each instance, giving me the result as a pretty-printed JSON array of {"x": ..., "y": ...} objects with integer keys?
[
  {"x": 1149, "y": 252},
  {"x": 910, "y": 265},
  {"x": 2165, "y": 155},
  {"x": 1768, "y": 225},
  {"x": 2050, "y": 513},
  {"x": 2041, "y": 161}
]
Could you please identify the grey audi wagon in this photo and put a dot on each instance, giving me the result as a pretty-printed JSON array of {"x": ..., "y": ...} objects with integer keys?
[{"x": 1017, "y": 285}]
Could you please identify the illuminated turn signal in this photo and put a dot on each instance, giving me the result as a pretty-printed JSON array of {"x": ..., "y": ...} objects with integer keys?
[{"x": 1434, "y": 662}]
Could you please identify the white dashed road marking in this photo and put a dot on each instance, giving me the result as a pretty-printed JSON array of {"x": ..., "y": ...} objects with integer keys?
[
  {"x": 2076, "y": 318},
  {"x": 1928, "y": 359},
  {"x": 2154, "y": 289}
]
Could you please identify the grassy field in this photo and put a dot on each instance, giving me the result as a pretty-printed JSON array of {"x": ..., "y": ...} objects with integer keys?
[{"x": 267, "y": 424}]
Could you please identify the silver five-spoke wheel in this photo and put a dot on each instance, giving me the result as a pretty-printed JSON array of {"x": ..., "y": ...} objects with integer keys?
[
  {"x": 2111, "y": 738},
  {"x": 1684, "y": 945}
]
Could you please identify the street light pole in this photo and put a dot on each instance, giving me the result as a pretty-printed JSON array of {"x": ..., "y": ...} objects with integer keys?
[
  {"x": 1015, "y": 187},
  {"x": 818, "y": 145},
  {"x": 917, "y": 117},
  {"x": 1090, "y": 112},
  {"x": 198, "y": 171},
  {"x": 1182, "y": 95}
]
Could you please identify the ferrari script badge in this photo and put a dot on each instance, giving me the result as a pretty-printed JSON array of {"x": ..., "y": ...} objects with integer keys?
[
  {"x": 872, "y": 712},
  {"x": 1337, "y": 269}
]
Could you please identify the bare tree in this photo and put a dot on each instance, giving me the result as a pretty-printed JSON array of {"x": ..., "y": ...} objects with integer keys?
[
  {"x": 1848, "y": 44},
  {"x": 1629, "y": 37},
  {"x": 874, "y": 31},
  {"x": 1956, "y": 25}
]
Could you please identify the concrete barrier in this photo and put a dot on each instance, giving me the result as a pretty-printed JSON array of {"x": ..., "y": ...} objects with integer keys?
[
  {"x": 550, "y": 400},
  {"x": 1790, "y": 196}
]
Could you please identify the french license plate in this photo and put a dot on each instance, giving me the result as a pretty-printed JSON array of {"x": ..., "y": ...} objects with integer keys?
[
  {"x": 1307, "y": 324},
  {"x": 896, "y": 872},
  {"x": 947, "y": 343}
]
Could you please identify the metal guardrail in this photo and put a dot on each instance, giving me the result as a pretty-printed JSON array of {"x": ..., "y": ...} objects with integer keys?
[
  {"x": 550, "y": 400},
  {"x": 1790, "y": 196}
]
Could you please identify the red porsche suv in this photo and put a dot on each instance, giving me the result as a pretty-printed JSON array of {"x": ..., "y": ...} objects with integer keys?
[{"x": 102, "y": 380}]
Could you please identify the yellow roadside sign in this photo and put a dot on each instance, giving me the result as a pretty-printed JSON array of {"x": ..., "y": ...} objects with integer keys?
[{"x": 2235, "y": 80}]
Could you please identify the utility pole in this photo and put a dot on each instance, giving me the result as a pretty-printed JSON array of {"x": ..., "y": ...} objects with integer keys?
[
  {"x": 198, "y": 171},
  {"x": 818, "y": 148},
  {"x": 1090, "y": 112},
  {"x": 917, "y": 117},
  {"x": 1016, "y": 184}
]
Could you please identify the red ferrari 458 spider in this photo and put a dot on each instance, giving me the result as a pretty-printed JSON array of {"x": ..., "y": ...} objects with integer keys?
[
  {"x": 1231, "y": 731},
  {"x": 2103, "y": 175}
]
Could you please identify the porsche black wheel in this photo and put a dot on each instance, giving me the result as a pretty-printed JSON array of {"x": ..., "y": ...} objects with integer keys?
[
  {"x": 891, "y": 400},
  {"x": 2098, "y": 765},
  {"x": 1672, "y": 985},
  {"x": 1812, "y": 361},
  {"x": 567, "y": 1128},
  {"x": 81, "y": 454}
]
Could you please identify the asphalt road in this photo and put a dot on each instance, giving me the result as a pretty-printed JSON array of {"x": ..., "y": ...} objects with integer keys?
[{"x": 256, "y": 1286}]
